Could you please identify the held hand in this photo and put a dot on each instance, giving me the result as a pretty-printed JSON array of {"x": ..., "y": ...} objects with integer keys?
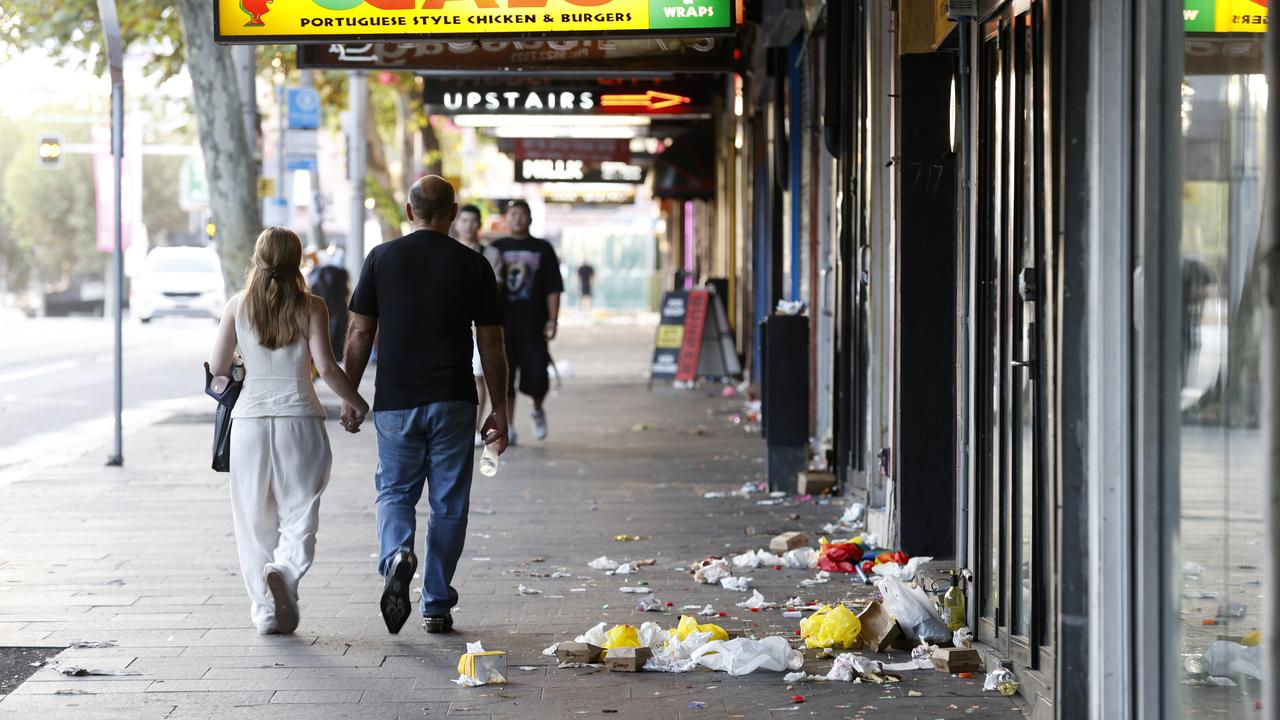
[
  {"x": 352, "y": 418},
  {"x": 550, "y": 330},
  {"x": 494, "y": 431}
]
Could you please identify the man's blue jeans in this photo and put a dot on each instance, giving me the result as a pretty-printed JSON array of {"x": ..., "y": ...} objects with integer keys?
[{"x": 429, "y": 444}]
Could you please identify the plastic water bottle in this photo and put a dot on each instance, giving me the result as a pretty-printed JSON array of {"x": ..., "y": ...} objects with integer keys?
[{"x": 489, "y": 461}]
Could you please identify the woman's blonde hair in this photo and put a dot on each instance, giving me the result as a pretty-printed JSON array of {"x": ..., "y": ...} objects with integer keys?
[{"x": 275, "y": 295}]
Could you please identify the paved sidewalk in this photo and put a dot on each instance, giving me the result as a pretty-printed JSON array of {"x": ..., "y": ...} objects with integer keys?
[{"x": 144, "y": 558}]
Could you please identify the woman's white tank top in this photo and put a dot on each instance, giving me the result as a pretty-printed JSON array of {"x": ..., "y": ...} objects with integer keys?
[{"x": 277, "y": 383}]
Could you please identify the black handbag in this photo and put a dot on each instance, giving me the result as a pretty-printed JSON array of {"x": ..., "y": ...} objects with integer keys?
[{"x": 222, "y": 417}]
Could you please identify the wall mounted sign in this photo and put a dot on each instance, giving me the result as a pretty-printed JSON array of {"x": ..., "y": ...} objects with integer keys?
[
  {"x": 516, "y": 95},
  {"x": 328, "y": 21},
  {"x": 1224, "y": 16},
  {"x": 595, "y": 57}
]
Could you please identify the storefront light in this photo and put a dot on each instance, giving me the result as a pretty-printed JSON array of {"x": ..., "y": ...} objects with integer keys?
[
  {"x": 519, "y": 131},
  {"x": 528, "y": 121}
]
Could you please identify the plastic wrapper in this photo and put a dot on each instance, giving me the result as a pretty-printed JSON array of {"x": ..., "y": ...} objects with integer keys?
[
  {"x": 831, "y": 626},
  {"x": 480, "y": 667},
  {"x": 636, "y": 589},
  {"x": 755, "y": 602},
  {"x": 742, "y": 656},
  {"x": 602, "y": 563},
  {"x": 905, "y": 573},
  {"x": 848, "y": 666},
  {"x": 962, "y": 638},
  {"x": 913, "y": 610},
  {"x": 625, "y": 569},
  {"x": 1003, "y": 680},
  {"x": 822, "y": 577},
  {"x": 712, "y": 571},
  {"x": 649, "y": 603},
  {"x": 621, "y": 636},
  {"x": 594, "y": 636},
  {"x": 1224, "y": 657},
  {"x": 739, "y": 584},
  {"x": 651, "y": 635},
  {"x": 707, "y": 611},
  {"x": 688, "y": 626},
  {"x": 839, "y": 557},
  {"x": 801, "y": 558}
]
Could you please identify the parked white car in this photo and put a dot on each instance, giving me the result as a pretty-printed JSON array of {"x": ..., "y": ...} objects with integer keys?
[{"x": 179, "y": 281}]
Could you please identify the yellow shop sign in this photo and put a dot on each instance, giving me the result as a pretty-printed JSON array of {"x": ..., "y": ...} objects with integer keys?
[{"x": 336, "y": 21}]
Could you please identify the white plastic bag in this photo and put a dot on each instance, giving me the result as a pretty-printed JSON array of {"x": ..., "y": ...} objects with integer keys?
[
  {"x": 595, "y": 636},
  {"x": 746, "y": 561},
  {"x": 742, "y": 656},
  {"x": 712, "y": 572},
  {"x": 739, "y": 584},
  {"x": 1223, "y": 658},
  {"x": 652, "y": 636},
  {"x": 801, "y": 558},
  {"x": 602, "y": 563},
  {"x": 905, "y": 573},
  {"x": 755, "y": 602},
  {"x": 913, "y": 610}
]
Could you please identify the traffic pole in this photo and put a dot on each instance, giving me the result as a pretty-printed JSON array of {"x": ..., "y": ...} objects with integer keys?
[
  {"x": 358, "y": 96},
  {"x": 115, "y": 61}
]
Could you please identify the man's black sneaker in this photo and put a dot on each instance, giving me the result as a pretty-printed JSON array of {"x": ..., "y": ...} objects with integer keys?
[
  {"x": 438, "y": 623},
  {"x": 395, "y": 590}
]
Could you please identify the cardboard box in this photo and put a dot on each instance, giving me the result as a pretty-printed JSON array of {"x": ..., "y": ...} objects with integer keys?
[
  {"x": 954, "y": 660},
  {"x": 879, "y": 629},
  {"x": 488, "y": 667},
  {"x": 576, "y": 652},
  {"x": 788, "y": 541},
  {"x": 627, "y": 659},
  {"x": 813, "y": 482}
]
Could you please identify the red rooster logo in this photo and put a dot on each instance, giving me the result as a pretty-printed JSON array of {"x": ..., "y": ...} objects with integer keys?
[{"x": 255, "y": 9}]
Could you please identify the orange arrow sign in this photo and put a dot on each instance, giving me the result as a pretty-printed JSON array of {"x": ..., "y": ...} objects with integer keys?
[{"x": 652, "y": 100}]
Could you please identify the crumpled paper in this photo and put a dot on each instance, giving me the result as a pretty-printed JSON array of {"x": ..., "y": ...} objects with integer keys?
[
  {"x": 754, "y": 559},
  {"x": 712, "y": 571},
  {"x": 739, "y": 584},
  {"x": 822, "y": 577},
  {"x": 756, "y": 602}
]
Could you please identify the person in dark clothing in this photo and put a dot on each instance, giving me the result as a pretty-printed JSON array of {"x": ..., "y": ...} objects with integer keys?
[
  {"x": 533, "y": 286},
  {"x": 421, "y": 295},
  {"x": 332, "y": 284},
  {"x": 586, "y": 274}
]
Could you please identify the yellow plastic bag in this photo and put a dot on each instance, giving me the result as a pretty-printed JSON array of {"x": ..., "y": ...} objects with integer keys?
[
  {"x": 831, "y": 626},
  {"x": 689, "y": 625},
  {"x": 620, "y": 636}
]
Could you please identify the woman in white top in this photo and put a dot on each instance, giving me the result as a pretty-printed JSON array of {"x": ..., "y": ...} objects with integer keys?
[{"x": 280, "y": 456}]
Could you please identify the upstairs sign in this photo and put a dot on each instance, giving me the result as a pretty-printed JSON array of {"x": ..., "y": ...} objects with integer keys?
[{"x": 339, "y": 21}]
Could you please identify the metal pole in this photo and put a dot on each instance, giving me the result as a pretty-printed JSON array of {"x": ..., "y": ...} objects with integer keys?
[
  {"x": 315, "y": 213},
  {"x": 965, "y": 122},
  {"x": 282, "y": 199},
  {"x": 1271, "y": 385},
  {"x": 115, "y": 61},
  {"x": 358, "y": 158}
]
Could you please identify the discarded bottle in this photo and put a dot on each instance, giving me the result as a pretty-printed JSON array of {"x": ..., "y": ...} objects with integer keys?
[
  {"x": 1003, "y": 680},
  {"x": 489, "y": 461},
  {"x": 953, "y": 609}
]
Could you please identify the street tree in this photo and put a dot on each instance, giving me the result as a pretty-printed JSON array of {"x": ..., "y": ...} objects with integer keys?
[{"x": 173, "y": 34}]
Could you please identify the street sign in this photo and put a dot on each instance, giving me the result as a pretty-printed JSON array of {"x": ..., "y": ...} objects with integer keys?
[
  {"x": 575, "y": 160},
  {"x": 266, "y": 187},
  {"x": 301, "y": 142},
  {"x": 1224, "y": 16},
  {"x": 630, "y": 57},
  {"x": 300, "y": 164},
  {"x": 328, "y": 21},
  {"x": 304, "y": 108}
]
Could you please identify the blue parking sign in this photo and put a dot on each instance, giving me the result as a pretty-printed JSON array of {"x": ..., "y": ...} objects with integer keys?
[{"x": 304, "y": 108}]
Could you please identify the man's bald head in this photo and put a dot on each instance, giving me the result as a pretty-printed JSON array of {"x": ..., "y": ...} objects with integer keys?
[{"x": 432, "y": 203}]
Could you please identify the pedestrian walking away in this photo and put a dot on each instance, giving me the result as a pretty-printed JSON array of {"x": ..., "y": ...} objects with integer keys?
[
  {"x": 422, "y": 294},
  {"x": 332, "y": 283},
  {"x": 280, "y": 456},
  {"x": 586, "y": 274},
  {"x": 467, "y": 230},
  {"x": 533, "y": 288}
]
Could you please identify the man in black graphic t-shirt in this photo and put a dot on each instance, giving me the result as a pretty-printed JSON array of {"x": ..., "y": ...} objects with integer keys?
[{"x": 533, "y": 288}]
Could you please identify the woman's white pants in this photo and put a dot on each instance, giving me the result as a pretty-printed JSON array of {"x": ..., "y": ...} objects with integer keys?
[{"x": 279, "y": 468}]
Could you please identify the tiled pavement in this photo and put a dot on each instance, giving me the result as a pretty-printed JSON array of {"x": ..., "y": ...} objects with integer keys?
[{"x": 144, "y": 557}]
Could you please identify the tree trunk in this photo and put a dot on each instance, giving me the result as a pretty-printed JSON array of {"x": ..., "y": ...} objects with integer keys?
[
  {"x": 378, "y": 171},
  {"x": 228, "y": 157}
]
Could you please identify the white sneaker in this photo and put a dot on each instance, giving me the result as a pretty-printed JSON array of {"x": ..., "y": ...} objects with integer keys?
[
  {"x": 479, "y": 440},
  {"x": 539, "y": 424},
  {"x": 282, "y": 596}
]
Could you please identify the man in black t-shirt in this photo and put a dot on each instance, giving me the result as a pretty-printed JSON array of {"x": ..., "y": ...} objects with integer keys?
[
  {"x": 586, "y": 274},
  {"x": 420, "y": 296},
  {"x": 533, "y": 286}
]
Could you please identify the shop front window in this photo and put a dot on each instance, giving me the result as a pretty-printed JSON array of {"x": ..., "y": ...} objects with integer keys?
[{"x": 1220, "y": 532}]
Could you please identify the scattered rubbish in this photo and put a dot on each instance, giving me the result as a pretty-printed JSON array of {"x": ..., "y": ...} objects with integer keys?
[
  {"x": 92, "y": 644},
  {"x": 906, "y": 572},
  {"x": 914, "y": 693},
  {"x": 641, "y": 427},
  {"x": 707, "y": 611},
  {"x": 778, "y": 494},
  {"x": 577, "y": 589},
  {"x": 483, "y": 511},
  {"x": 797, "y": 699},
  {"x": 560, "y": 574},
  {"x": 850, "y": 520},
  {"x": 739, "y": 584},
  {"x": 524, "y": 590},
  {"x": 481, "y": 559},
  {"x": 956, "y": 659},
  {"x": 630, "y": 538},
  {"x": 879, "y": 628},
  {"x": 625, "y": 569},
  {"x": 839, "y": 556},
  {"x": 769, "y": 502},
  {"x": 1192, "y": 569},
  {"x": 962, "y": 638},
  {"x": 528, "y": 668},
  {"x": 964, "y": 676},
  {"x": 1233, "y": 609},
  {"x": 1220, "y": 681},
  {"x": 792, "y": 614},
  {"x": 913, "y": 609},
  {"x": 696, "y": 705},
  {"x": 644, "y": 563},
  {"x": 627, "y": 659},
  {"x": 788, "y": 541},
  {"x": 481, "y": 667},
  {"x": 635, "y": 589},
  {"x": 756, "y": 602},
  {"x": 77, "y": 671},
  {"x": 742, "y": 656},
  {"x": 1002, "y": 679},
  {"x": 815, "y": 482},
  {"x": 649, "y": 603},
  {"x": 1208, "y": 621},
  {"x": 803, "y": 558},
  {"x": 1251, "y": 638},
  {"x": 1224, "y": 657},
  {"x": 822, "y": 577},
  {"x": 710, "y": 494},
  {"x": 915, "y": 664},
  {"x": 754, "y": 559},
  {"x": 831, "y": 626},
  {"x": 712, "y": 570},
  {"x": 602, "y": 563}
]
